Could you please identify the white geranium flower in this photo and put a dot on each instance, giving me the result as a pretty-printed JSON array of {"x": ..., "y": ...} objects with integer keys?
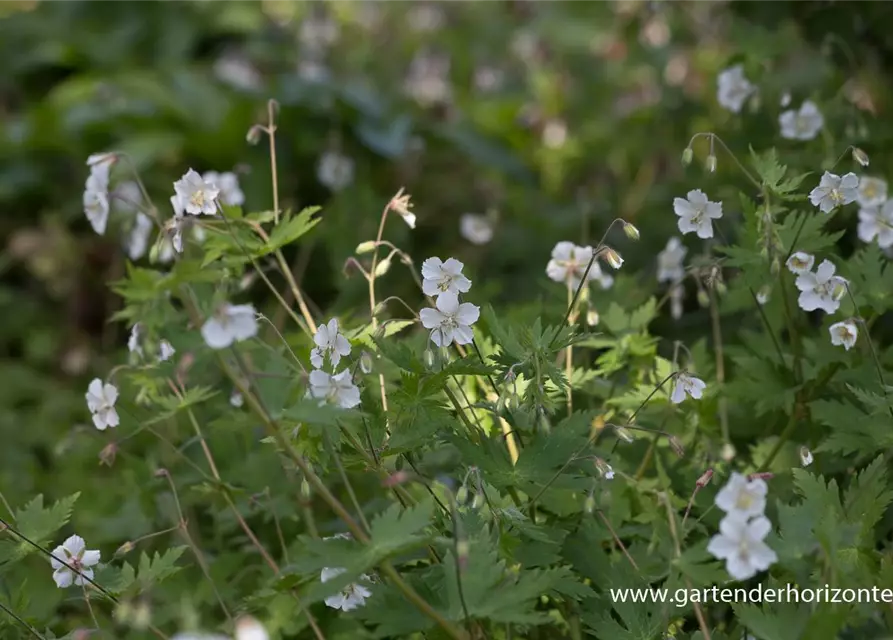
[
  {"x": 800, "y": 262},
  {"x": 133, "y": 342},
  {"x": 820, "y": 290},
  {"x": 743, "y": 497},
  {"x": 335, "y": 170},
  {"x": 475, "y": 228},
  {"x": 138, "y": 238},
  {"x": 844, "y": 334},
  {"x": 165, "y": 351},
  {"x": 74, "y": 553},
  {"x": 247, "y": 628},
  {"x": 96, "y": 204},
  {"x": 568, "y": 264},
  {"x": 740, "y": 544},
  {"x": 733, "y": 88},
  {"x": 352, "y": 596},
  {"x": 877, "y": 223},
  {"x": 686, "y": 384},
  {"x": 834, "y": 191},
  {"x": 804, "y": 124},
  {"x": 195, "y": 195},
  {"x": 337, "y": 389},
  {"x": 440, "y": 277},
  {"x": 696, "y": 213},
  {"x": 228, "y": 184},
  {"x": 329, "y": 343},
  {"x": 450, "y": 321},
  {"x": 669, "y": 261},
  {"x": 236, "y": 399},
  {"x": 101, "y": 400},
  {"x": 763, "y": 295},
  {"x": 872, "y": 191},
  {"x": 230, "y": 323}
]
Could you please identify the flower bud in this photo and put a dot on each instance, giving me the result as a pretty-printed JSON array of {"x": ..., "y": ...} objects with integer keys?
[
  {"x": 720, "y": 287},
  {"x": 703, "y": 298},
  {"x": 478, "y": 501},
  {"x": 253, "y": 135},
  {"x": 162, "y": 473},
  {"x": 676, "y": 446},
  {"x": 589, "y": 504},
  {"x": 463, "y": 549},
  {"x": 687, "y": 156},
  {"x": 805, "y": 457},
  {"x": 860, "y": 156},
  {"x": 142, "y": 616},
  {"x": 606, "y": 471},
  {"x": 366, "y": 362},
  {"x": 108, "y": 453},
  {"x": 429, "y": 358},
  {"x": 305, "y": 489},
  {"x": 382, "y": 267},
  {"x": 775, "y": 266},
  {"x": 839, "y": 291},
  {"x": 761, "y": 476},
  {"x": 711, "y": 163},
  {"x": 365, "y": 247},
  {"x": 401, "y": 477},
  {"x": 704, "y": 480},
  {"x": 124, "y": 549},
  {"x": 613, "y": 258},
  {"x": 624, "y": 434},
  {"x": 630, "y": 230},
  {"x": 247, "y": 628},
  {"x": 763, "y": 294},
  {"x": 462, "y": 495},
  {"x": 592, "y": 318},
  {"x": 728, "y": 452}
]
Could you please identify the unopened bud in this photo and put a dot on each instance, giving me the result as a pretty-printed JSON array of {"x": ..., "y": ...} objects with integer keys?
[
  {"x": 365, "y": 247},
  {"x": 382, "y": 267},
  {"x": 728, "y": 452},
  {"x": 366, "y": 362},
  {"x": 676, "y": 446},
  {"x": 630, "y": 230},
  {"x": 123, "y": 612},
  {"x": 606, "y": 471},
  {"x": 711, "y": 163},
  {"x": 687, "y": 156},
  {"x": 108, "y": 453},
  {"x": 704, "y": 480},
  {"x": 463, "y": 549},
  {"x": 703, "y": 298},
  {"x": 305, "y": 489},
  {"x": 462, "y": 495},
  {"x": 592, "y": 317},
  {"x": 805, "y": 456},
  {"x": 247, "y": 628},
  {"x": 254, "y": 134},
  {"x": 124, "y": 549},
  {"x": 380, "y": 308},
  {"x": 478, "y": 501},
  {"x": 839, "y": 291},
  {"x": 720, "y": 287},
  {"x": 775, "y": 266},
  {"x": 162, "y": 473},
  {"x": 589, "y": 504},
  {"x": 624, "y": 434},
  {"x": 860, "y": 156},
  {"x": 761, "y": 476},
  {"x": 142, "y": 616},
  {"x": 395, "y": 479},
  {"x": 763, "y": 294},
  {"x": 613, "y": 258}
]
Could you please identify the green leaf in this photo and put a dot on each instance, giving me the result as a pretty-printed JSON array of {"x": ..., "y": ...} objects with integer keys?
[
  {"x": 398, "y": 529},
  {"x": 38, "y": 524},
  {"x": 290, "y": 228}
]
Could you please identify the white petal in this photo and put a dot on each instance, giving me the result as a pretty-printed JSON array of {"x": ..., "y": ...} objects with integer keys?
[
  {"x": 63, "y": 577},
  {"x": 90, "y": 558},
  {"x": 215, "y": 334},
  {"x": 468, "y": 313},
  {"x": 431, "y": 318},
  {"x": 448, "y": 303}
]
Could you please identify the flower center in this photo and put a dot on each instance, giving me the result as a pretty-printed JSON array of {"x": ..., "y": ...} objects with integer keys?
[
  {"x": 197, "y": 199},
  {"x": 745, "y": 501},
  {"x": 836, "y": 195}
]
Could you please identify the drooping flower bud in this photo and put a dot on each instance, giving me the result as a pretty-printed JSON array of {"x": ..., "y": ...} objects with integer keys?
[
  {"x": 711, "y": 163},
  {"x": 613, "y": 258},
  {"x": 704, "y": 480},
  {"x": 805, "y": 456},
  {"x": 687, "y": 156},
  {"x": 860, "y": 156},
  {"x": 631, "y": 231},
  {"x": 365, "y": 247}
]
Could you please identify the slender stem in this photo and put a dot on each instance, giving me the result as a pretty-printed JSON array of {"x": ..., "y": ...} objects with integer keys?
[
  {"x": 569, "y": 354},
  {"x": 347, "y": 484},
  {"x": 720, "y": 365},
  {"x": 90, "y": 607},
  {"x": 12, "y": 614},
  {"x": 372, "y": 305},
  {"x": 271, "y": 136},
  {"x": 782, "y": 438}
]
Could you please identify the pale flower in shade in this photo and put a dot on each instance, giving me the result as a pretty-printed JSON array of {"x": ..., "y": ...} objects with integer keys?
[
  {"x": 350, "y": 597},
  {"x": 137, "y": 242},
  {"x": 229, "y": 324},
  {"x": 337, "y": 389},
  {"x": 335, "y": 170},
  {"x": 696, "y": 213},
  {"x": 569, "y": 262},
  {"x": 443, "y": 276},
  {"x": 247, "y": 628},
  {"x": 450, "y": 321},
  {"x": 685, "y": 384},
  {"x": 844, "y": 334},
  {"x": 834, "y": 191},
  {"x": 670, "y": 261},
  {"x": 743, "y": 497},
  {"x": 872, "y": 191},
  {"x": 401, "y": 204},
  {"x": 733, "y": 88},
  {"x": 800, "y": 262},
  {"x": 821, "y": 289},
  {"x": 228, "y": 184},
  {"x": 330, "y": 343},
  {"x": 803, "y": 124},
  {"x": 134, "y": 342},
  {"x": 96, "y": 204},
  {"x": 806, "y": 458},
  {"x": 876, "y": 223},
  {"x": 195, "y": 195},
  {"x": 740, "y": 544},
  {"x": 73, "y": 552},
  {"x": 477, "y": 229},
  {"x": 165, "y": 351},
  {"x": 101, "y": 399}
]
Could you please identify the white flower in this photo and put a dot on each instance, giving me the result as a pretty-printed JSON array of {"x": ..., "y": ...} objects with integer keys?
[
  {"x": 743, "y": 497},
  {"x": 101, "y": 400},
  {"x": 764, "y": 294},
  {"x": 872, "y": 191},
  {"x": 195, "y": 195},
  {"x": 696, "y": 213},
  {"x": 337, "y": 389},
  {"x": 352, "y": 596},
  {"x": 568, "y": 264},
  {"x": 329, "y": 342},
  {"x": 230, "y": 323},
  {"x": 733, "y": 88},
  {"x": 133, "y": 342},
  {"x": 686, "y": 384},
  {"x": 96, "y": 204},
  {"x": 234, "y": 69},
  {"x": 127, "y": 197},
  {"x": 335, "y": 170},
  {"x": 877, "y": 222},
  {"x": 804, "y": 124},
  {"x": 247, "y": 628},
  {"x": 228, "y": 184},
  {"x": 834, "y": 191},
  {"x": 401, "y": 204},
  {"x": 475, "y": 228},
  {"x": 669, "y": 261},
  {"x": 740, "y": 544},
  {"x": 73, "y": 552},
  {"x": 440, "y": 277},
  {"x": 450, "y": 321},
  {"x": 138, "y": 239},
  {"x": 820, "y": 290},
  {"x": 165, "y": 351},
  {"x": 677, "y": 297},
  {"x": 805, "y": 456},
  {"x": 428, "y": 81},
  {"x": 844, "y": 334},
  {"x": 800, "y": 262},
  {"x": 236, "y": 399}
]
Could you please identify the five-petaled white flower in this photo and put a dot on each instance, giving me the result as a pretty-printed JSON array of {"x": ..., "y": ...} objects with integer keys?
[
  {"x": 696, "y": 213},
  {"x": 821, "y": 289},
  {"x": 450, "y": 321},
  {"x": 740, "y": 544},
  {"x": 686, "y": 384},
  {"x": 743, "y": 497},
  {"x": 230, "y": 323},
  {"x": 138, "y": 239},
  {"x": 442, "y": 277},
  {"x": 804, "y": 124},
  {"x": 352, "y": 596},
  {"x": 877, "y": 223},
  {"x": 101, "y": 400},
  {"x": 228, "y": 184},
  {"x": 73, "y": 552},
  {"x": 844, "y": 334},
  {"x": 475, "y": 228},
  {"x": 196, "y": 196},
  {"x": 669, "y": 261},
  {"x": 800, "y": 262},
  {"x": 337, "y": 389},
  {"x": 872, "y": 191},
  {"x": 569, "y": 262},
  {"x": 834, "y": 191},
  {"x": 335, "y": 170},
  {"x": 733, "y": 88},
  {"x": 329, "y": 343},
  {"x": 165, "y": 351}
]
